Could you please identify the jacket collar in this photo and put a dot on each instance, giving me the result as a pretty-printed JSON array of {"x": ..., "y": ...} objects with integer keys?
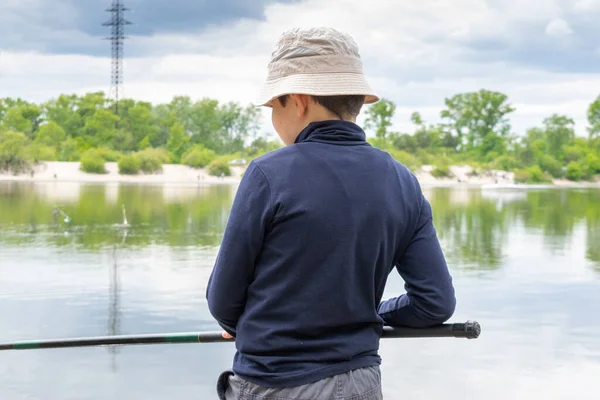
[{"x": 333, "y": 132}]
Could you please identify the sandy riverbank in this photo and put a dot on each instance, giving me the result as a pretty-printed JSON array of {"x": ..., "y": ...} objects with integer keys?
[
  {"x": 463, "y": 176},
  {"x": 181, "y": 174},
  {"x": 55, "y": 171}
]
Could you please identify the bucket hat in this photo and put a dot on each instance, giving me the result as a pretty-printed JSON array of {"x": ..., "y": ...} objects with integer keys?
[{"x": 317, "y": 61}]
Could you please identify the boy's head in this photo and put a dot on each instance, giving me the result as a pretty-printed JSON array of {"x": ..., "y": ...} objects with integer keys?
[{"x": 314, "y": 75}]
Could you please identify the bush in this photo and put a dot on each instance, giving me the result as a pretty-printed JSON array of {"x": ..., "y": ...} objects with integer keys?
[
  {"x": 573, "y": 153},
  {"x": 380, "y": 143},
  {"x": 129, "y": 165},
  {"x": 13, "y": 154},
  {"x": 82, "y": 144},
  {"x": 152, "y": 160},
  {"x": 490, "y": 157},
  {"x": 92, "y": 162},
  {"x": 47, "y": 153},
  {"x": 532, "y": 175},
  {"x": 593, "y": 162},
  {"x": 441, "y": 171},
  {"x": 38, "y": 152},
  {"x": 577, "y": 171},
  {"x": 423, "y": 157},
  {"x": 68, "y": 151},
  {"x": 406, "y": 159},
  {"x": 551, "y": 165},
  {"x": 261, "y": 146},
  {"x": 198, "y": 157},
  {"x": 505, "y": 163},
  {"x": 109, "y": 154},
  {"x": 219, "y": 167}
]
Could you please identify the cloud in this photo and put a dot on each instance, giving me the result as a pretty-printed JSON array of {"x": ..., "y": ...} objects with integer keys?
[
  {"x": 414, "y": 53},
  {"x": 75, "y": 26},
  {"x": 558, "y": 27}
]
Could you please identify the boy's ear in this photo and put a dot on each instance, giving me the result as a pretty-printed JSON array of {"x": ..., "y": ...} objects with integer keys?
[{"x": 301, "y": 103}]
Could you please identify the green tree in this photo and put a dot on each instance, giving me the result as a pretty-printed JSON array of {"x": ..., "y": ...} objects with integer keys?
[
  {"x": 100, "y": 127},
  {"x": 145, "y": 143},
  {"x": 404, "y": 142},
  {"x": 416, "y": 119},
  {"x": 20, "y": 116},
  {"x": 594, "y": 163},
  {"x": 3, "y": 108},
  {"x": 178, "y": 142},
  {"x": 479, "y": 119},
  {"x": 24, "y": 118},
  {"x": 204, "y": 123},
  {"x": 51, "y": 134},
  {"x": 15, "y": 121},
  {"x": 90, "y": 103},
  {"x": 379, "y": 117},
  {"x": 64, "y": 111},
  {"x": 38, "y": 152},
  {"x": 68, "y": 151},
  {"x": 238, "y": 124},
  {"x": 593, "y": 116},
  {"x": 137, "y": 119},
  {"x": 550, "y": 165},
  {"x": 181, "y": 107},
  {"x": 261, "y": 145},
  {"x": 559, "y": 132},
  {"x": 165, "y": 118},
  {"x": 13, "y": 155},
  {"x": 423, "y": 138}
]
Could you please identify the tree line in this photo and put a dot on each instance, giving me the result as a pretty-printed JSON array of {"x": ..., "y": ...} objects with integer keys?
[
  {"x": 141, "y": 136},
  {"x": 474, "y": 129}
]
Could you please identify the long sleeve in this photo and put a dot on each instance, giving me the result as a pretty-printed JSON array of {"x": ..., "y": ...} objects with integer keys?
[
  {"x": 429, "y": 298},
  {"x": 233, "y": 272}
]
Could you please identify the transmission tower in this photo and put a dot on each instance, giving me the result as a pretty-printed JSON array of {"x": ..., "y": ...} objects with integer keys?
[{"x": 117, "y": 37}]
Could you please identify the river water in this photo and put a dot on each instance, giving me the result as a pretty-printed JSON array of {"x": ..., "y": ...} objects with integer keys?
[{"x": 526, "y": 265}]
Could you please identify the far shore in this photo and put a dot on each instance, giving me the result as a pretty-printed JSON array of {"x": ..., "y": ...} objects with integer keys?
[{"x": 56, "y": 171}]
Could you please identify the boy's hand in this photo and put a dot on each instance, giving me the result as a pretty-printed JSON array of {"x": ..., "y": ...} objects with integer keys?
[{"x": 226, "y": 335}]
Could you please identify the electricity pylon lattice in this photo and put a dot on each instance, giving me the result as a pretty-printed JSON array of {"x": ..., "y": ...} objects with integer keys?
[{"x": 117, "y": 37}]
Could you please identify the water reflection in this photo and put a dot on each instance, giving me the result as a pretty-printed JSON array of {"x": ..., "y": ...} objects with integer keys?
[
  {"x": 472, "y": 224},
  {"x": 526, "y": 265},
  {"x": 175, "y": 216},
  {"x": 114, "y": 311}
]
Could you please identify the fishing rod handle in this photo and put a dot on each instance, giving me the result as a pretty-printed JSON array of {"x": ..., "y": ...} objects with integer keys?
[{"x": 465, "y": 330}]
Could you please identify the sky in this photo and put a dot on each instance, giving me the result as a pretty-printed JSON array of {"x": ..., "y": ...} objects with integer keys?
[{"x": 543, "y": 54}]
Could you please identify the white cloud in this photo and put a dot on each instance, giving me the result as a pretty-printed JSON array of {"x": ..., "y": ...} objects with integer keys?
[
  {"x": 415, "y": 53},
  {"x": 558, "y": 27},
  {"x": 586, "y": 5}
]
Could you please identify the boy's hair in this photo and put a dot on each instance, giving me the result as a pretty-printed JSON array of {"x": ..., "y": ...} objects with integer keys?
[{"x": 342, "y": 106}]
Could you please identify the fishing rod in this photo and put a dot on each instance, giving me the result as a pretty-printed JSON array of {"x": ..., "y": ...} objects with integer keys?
[
  {"x": 57, "y": 210},
  {"x": 467, "y": 330}
]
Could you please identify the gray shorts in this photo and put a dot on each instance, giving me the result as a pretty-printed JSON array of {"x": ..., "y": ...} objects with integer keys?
[{"x": 360, "y": 384}]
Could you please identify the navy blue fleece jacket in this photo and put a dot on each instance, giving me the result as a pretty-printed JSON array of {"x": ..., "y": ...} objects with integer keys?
[{"x": 314, "y": 231}]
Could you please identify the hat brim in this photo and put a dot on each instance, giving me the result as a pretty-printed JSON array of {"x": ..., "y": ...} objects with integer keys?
[{"x": 331, "y": 84}]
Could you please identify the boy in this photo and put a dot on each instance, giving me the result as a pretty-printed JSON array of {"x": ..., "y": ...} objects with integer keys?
[{"x": 314, "y": 231}]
